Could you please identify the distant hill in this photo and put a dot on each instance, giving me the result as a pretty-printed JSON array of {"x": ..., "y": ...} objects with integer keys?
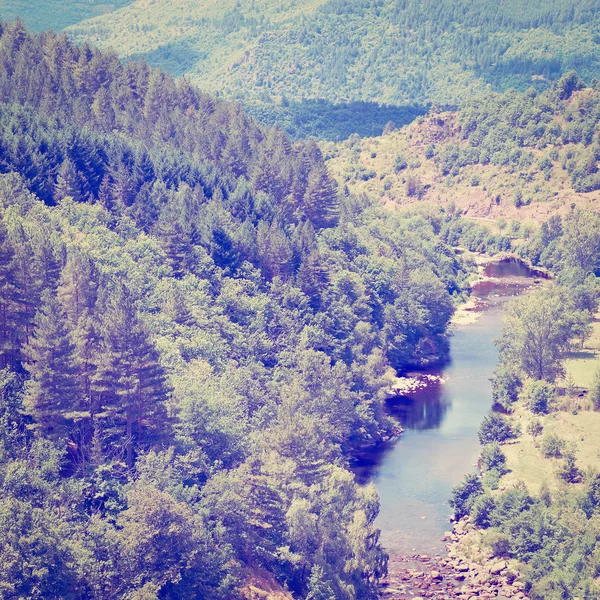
[
  {"x": 396, "y": 52},
  {"x": 40, "y": 15},
  {"x": 516, "y": 155}
]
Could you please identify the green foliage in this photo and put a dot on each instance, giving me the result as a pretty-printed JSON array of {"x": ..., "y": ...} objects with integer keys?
[
  {"x": 465, "y": 493},
  {"x": 569, "y": 471},
  {"x": 538, "y": 395},
  {"x": 595, "y": 390},
  {"x": 57, "y": 14},
  {"x": 492, "y": 457},
  {"x": 399, "y": 163},
  {"x": 196, "y": 331},
  {"x": 505, "y": 386},
  {"x": 554, "y": 537},
  {"x": 482, "y": 509},
  {"x": 537, "y": 332},
  {"x": 457, "y": 231},
  {"x": 498, "y": 543},
  {"x": 495, "y": 428},
  {"x": 552, "y": 446},
  {"x": 535, "y": 428}
]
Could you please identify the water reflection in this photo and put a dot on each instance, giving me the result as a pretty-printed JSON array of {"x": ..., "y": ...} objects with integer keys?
[{"x": 421, "y": 411}]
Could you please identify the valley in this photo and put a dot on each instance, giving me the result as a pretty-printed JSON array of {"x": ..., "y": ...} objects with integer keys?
[{"x": 228, "y": 230}]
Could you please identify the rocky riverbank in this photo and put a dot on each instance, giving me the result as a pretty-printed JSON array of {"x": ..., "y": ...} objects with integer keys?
[{"x": 451, "y": 576}]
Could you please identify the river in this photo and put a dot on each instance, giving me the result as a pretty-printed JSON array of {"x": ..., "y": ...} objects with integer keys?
[{"x": 415, "y": 474}]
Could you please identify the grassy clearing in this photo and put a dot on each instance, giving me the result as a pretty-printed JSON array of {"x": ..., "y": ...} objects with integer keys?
[
  {"x": 573, "y": 421},
  {"x": 526, "y": 461},
  {"x": 582, "y": 365}
]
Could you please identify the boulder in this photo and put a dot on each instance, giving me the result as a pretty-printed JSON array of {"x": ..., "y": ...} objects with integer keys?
[{"x": 497, "y": 568}]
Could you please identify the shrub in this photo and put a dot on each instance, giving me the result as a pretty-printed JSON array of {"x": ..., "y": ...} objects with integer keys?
[
  {"x": 482, "y": 509},
  {"x": 538, "y": 395},
  {"x": 495, "y": 428},
  {"x": 552, "y": 446},
  {"x": 568, "y": 471},
  {"x": 493, "y": 458},
  {"x": 465, "y": 493},
  {"x": 491, "y": 479},
  {"x": 498, "y": 543},
  {"x": 400, "y": 163},
  {"x": 535, "y": 429},
  {"x": 595, "y": 391},
  {"x": 414, "y": 187},
  {"x": 518, "y": 199},
  {"x": 505, "y": 386}
]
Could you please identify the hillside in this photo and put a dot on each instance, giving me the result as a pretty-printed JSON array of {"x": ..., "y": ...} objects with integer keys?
[
  {"x": 40, "y": 15},
  {"x": 196, "y": 333},
  {"x": 270, "y": 52},
  {"x": 522, "y": 156}
]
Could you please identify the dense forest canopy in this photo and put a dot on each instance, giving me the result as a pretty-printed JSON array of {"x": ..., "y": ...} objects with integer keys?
[
  {"x": 274, "y": 54},
  {"x": 196, "y": 329}
]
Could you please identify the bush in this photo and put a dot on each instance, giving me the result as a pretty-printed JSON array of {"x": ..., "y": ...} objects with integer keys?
[
  {"x": 495, "y": 428},
  {"x": 569, "y": 471},
  {"x": 505, "y": 385},
  {"x": 482, "y": 509},
  {"x": 493, "y": 458},
  {"x": 465, "y": 493},
  {"x": 595, "y": 391},
  {"x": 535, "y": 429},
  {"x": 414, "y": 187},
  {"x": 518, "y": 199},
  {"x": 552, "y": 446},
  {"x": 491, "y": 479},
  {"x": 400, "y": 163},
  {"x": 538, "y": 395},
  {"x": 498, "y": 543}
]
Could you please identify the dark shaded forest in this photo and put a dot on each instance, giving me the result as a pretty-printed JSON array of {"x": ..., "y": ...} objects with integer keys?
[{"x": 196, "y": 331}]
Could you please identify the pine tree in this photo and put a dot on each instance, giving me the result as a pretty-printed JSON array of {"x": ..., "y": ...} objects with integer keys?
[
  {"x": 78, "y": 294},
  {"x": 11, "y": 302},
  {"x": 48, "y": 260},
  {"x": 52, "y": 392},
  {"x": 176, "y": 308},
  {"x": 78, "y": 285},
  {"x": 67, "y": 183},
  {"x": 26, "y": 276},
  {"x": 176, "y": 245},
  {"x": 130, "y": 378},
  {"x": 102, "y": 110},
  {"x": 321, "y": 200}
]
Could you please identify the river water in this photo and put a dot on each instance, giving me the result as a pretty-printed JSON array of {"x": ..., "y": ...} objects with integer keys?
[{"x": 415, "y": 474}]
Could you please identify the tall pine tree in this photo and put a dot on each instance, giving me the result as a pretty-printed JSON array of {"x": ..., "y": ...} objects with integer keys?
[
  {"x": 11, "y": 302},
  {"x": 52, "y": 391},
  {"x": 130, "y": 379}
]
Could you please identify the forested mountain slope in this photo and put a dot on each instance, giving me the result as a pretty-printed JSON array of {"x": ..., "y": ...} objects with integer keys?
[
  {"x": 196, "y": 330},
  {"x": 516, "y": 155},
  {"x": 41, "y": 15},
  {"x": 389, "y": 51}
]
